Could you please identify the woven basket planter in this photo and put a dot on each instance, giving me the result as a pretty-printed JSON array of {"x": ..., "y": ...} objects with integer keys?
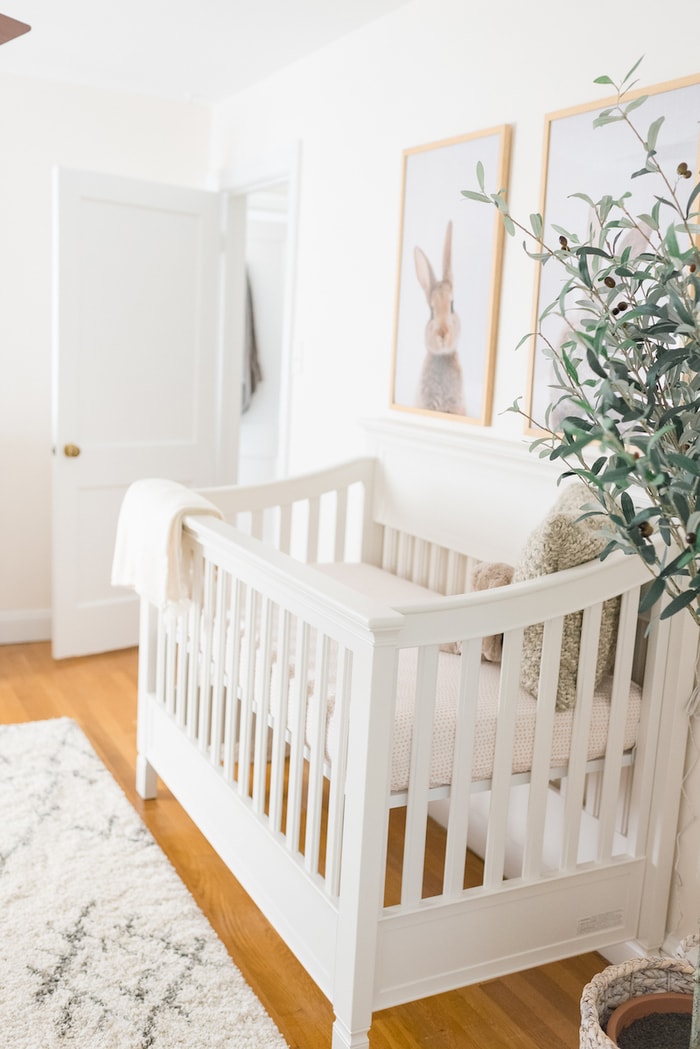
[{"x": 618, "y": 983}]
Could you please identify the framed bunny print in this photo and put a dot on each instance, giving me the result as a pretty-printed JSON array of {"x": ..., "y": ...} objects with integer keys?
[{"x": 448, "y": 284}]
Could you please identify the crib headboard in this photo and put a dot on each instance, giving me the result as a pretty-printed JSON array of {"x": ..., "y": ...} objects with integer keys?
[
  {"x": 494, "y": 491},
  {"x": 425, "y": 506}
]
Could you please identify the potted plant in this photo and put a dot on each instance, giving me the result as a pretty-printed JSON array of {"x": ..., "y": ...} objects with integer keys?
[
  {"x": 625, "y": 411},
  {"x": 653, "y": 994}
]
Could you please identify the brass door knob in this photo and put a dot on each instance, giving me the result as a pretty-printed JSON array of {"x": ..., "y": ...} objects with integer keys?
[{"x": 71, "y": 450}]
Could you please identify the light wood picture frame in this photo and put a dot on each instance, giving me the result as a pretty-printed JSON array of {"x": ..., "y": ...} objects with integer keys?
[
  {"x": 579, "y": 158},
  {"x": 449, "y": 276}
]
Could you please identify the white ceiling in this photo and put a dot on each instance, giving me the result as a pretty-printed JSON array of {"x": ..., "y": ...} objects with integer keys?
[{"x": 184, "y": 49}]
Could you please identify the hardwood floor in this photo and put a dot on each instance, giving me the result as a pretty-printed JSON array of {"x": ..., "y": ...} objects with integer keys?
[{"x": 535, "y": 1009}]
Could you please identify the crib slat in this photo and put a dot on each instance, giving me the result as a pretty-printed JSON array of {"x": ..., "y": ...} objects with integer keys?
[
  {"x": 257, "y": 524},
  {"x": 217, "y": 705},
  {"x": 458, "y": 819},
  {"x": 317, "y": 734},
  {"x": 494, "y": 859},
  {"x": 248, "y": 691},
  {"x": 159, "y": 666},
  {"x": 419, "y": 775},
  {"x": 404, "y": 555},
  {"x": 452, "y": 580},
  {"x": 341, "y": 520},
  {"x": 180, "y": 647},
  {"x": 183, "y": 668},
  {"x": 389, "y": 551},
  {"x": 233, "y": 657},
  {"x": 280, "y": 702},
  {"x": 194, "y": 654},
  {"x": 542, "y": 749},
  {"x": 181, "y": 627},
  {"x": 619, "y": 701},
  {"x": 203, "y": 692},
  {"x": 166, "y": 662},
  {"x": 296, "y": 757},
  {"x": 576, "y": 779},
  {"x": 262, "y": 687},
  {"x": 285, "y": 529},
  {"x": 312, "y": 529},
  {"x": 461, "y": 584},
  {"x": 339, "y": 759},
  {"x": 436, "y": 569},
  {"x": 420, "y": 566},
  {"x": 652, "y": 697}
]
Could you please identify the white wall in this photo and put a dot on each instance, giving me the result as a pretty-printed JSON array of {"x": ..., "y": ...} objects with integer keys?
[
  {"x": 41, "y": 125},
  {"x": 432, "y": 70}
]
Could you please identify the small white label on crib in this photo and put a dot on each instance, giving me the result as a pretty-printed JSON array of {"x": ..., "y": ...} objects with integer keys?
[{"x": 596, "y": 922}]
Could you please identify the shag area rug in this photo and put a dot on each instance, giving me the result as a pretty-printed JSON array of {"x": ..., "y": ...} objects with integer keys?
[{"x": 101, "y": 944}]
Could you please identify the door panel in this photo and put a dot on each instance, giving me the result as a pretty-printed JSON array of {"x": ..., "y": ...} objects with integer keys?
[{"x": 136, "y": 360}]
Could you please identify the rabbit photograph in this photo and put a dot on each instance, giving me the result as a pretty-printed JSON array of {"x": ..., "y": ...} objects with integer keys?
[
  {"x": 441, "y": 385},
  {"x": 449, "y": 275}
]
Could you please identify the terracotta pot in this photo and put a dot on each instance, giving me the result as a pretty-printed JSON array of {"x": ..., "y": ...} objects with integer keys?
[{"x": 645, "y": 1005}]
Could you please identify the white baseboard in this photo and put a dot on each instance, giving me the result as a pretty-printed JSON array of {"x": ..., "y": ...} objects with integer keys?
[
  {"x": 16, "y": 628},
  {"x": 622, "y": 952},
  {"x": 617, "y": 953}
]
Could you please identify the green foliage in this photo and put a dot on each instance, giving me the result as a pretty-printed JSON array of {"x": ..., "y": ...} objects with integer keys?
[{"x": 627, "y": 374}]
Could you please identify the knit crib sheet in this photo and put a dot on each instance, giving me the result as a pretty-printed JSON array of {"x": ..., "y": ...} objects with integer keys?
[{"x": 445, "y": 722}]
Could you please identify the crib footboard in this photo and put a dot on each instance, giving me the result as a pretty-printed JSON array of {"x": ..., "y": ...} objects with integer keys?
[{"x": 366, "y": 786}]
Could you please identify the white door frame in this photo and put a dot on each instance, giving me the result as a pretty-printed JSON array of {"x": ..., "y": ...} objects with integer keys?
[{"x": 282, "y": 164}]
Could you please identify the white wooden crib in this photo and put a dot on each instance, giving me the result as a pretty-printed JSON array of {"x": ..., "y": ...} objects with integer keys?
[{"x": 301, "y": 702}]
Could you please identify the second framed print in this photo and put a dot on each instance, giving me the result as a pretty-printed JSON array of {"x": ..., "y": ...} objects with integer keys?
[
  {"x": 447, "y": 300},
  {"x": 598, "y": 162}
]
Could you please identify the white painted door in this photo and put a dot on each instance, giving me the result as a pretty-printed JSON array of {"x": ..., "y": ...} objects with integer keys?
[{"x": 143, "y": 385}]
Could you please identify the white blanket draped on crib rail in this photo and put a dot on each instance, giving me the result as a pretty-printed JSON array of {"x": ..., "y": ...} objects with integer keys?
[{"x": 148, "y": 551}]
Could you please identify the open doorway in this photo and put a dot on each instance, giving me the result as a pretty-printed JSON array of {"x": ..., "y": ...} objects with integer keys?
[
  {"x": 268, "y": 187},
  {"x": 262, "y": 445}
]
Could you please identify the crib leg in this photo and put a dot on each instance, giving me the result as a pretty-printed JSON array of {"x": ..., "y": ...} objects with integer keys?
[
  {"x": 345, "y": 1039},
  {"x": 146, "y": 778}
]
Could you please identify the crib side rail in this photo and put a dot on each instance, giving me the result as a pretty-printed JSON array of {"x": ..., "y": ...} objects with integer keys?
[
  {"x": 604, "y": 795},
  {"x": 323, "y": 515},
  {"x": 521, "y": 604}
]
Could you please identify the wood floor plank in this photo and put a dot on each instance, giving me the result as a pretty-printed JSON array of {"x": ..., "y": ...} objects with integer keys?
[{"x": 537, "y": 1009}]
